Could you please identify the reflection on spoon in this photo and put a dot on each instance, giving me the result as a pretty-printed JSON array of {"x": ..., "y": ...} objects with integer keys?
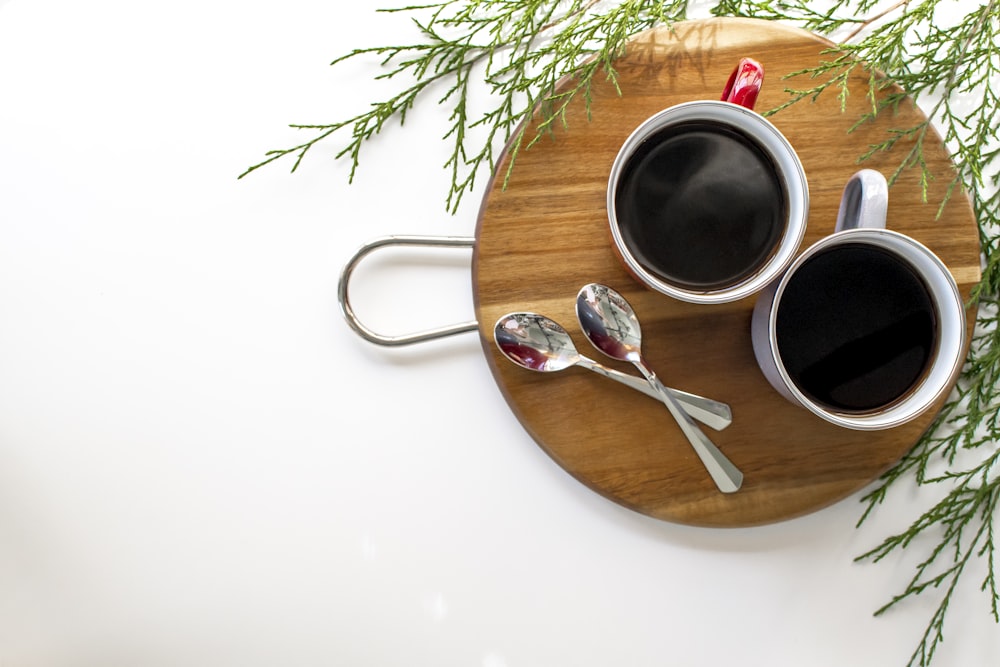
[
  {"x": 611, "y": 325},
  {"x": 540, "y": 344}
]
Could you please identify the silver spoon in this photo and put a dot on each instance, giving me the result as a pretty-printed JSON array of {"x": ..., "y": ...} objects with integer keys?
[
  {"x": 541, "y": 344},
  {"x": 610, "y": 324}
]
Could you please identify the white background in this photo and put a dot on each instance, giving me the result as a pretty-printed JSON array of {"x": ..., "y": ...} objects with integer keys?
[{"x": 202, "y": 466}]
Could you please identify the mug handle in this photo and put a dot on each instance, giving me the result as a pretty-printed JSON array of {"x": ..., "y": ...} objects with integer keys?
[
  {"x": 864, "y": 202},
  {"x": 744, "y": 83}
]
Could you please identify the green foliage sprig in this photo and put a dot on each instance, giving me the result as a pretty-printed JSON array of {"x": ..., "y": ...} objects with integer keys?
[
  {"x": 951, "y": 68},
  {"x": 521, "y": 50}
]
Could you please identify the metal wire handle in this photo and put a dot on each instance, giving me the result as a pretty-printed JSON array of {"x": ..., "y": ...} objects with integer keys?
[{"x": 383, "y": 242}]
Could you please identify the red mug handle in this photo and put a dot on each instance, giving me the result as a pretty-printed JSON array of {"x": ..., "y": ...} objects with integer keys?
[{"x": 744, "y": 83}]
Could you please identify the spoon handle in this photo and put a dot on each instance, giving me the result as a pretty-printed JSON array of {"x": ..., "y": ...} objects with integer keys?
[
  {"x": 714, "y": 414},
  {"x": 725, "y": 475}
]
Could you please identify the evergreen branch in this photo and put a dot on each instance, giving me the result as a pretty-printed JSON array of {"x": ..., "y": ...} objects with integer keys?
[
  {"x": 960, "y": 65},
  {"x": 522, "y": 49}
]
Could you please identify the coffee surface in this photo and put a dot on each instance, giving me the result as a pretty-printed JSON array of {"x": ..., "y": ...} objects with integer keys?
[
  {"x": 856, "y": 328},
  {"x": 700, "y": 205}
]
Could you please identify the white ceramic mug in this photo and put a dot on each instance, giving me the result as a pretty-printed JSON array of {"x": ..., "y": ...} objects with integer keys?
[
  {"x": 860, "y": 224},
  {"x": 716, "y": 187}
]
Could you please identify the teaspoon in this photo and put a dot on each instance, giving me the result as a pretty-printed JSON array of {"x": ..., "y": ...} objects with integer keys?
[
  {"x": 612, "y": 327},
  {"x": 541, "y": 344}
]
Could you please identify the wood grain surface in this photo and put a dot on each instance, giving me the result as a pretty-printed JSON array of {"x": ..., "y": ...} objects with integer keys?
[{"x": 546, "y": 234}]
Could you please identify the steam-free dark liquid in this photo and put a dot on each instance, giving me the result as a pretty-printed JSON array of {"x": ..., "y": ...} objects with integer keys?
[
  {"x": 701, "y": 205},
  {"x": 856, "y": 328}
]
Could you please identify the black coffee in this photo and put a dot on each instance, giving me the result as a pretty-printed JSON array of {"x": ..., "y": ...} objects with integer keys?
[
  {"x": 700, "y": 205},
  {"x": 856, "y": 328}
]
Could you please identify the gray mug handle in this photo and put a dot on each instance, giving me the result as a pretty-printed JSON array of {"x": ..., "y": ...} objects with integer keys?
[{"x": 864, "y": 202}]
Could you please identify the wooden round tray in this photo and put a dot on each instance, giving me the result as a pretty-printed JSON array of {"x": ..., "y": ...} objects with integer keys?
[{"x": 546, "y": 235}]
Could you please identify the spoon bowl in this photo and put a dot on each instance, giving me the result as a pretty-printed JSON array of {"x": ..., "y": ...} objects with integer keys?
[
  {"x": 609, "y": 323},
  {"x": 535, "y": 342}
]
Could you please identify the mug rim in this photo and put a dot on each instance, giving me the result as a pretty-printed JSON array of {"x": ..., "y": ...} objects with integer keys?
[
  {"x": 948, "y": 351},
  {"x": 786, "y": 163}
]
